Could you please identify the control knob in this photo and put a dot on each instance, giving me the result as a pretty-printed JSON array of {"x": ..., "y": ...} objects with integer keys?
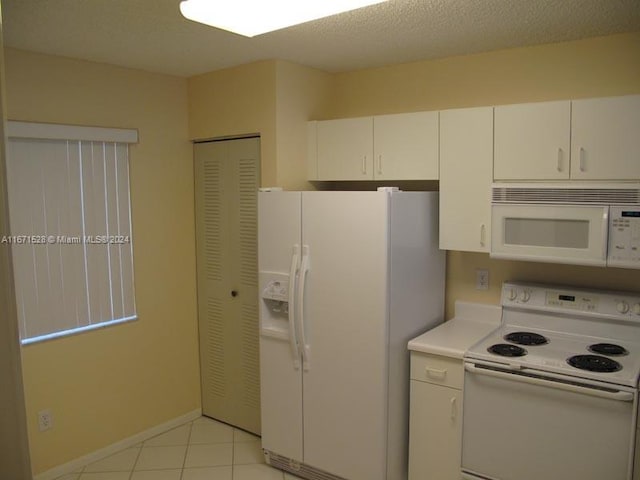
[
  {"x": 525, "y": 296},
  {"x": 622, "y": 307},
  {"x": 512, "y": 294},
  {"x": 636, "y": 309}
]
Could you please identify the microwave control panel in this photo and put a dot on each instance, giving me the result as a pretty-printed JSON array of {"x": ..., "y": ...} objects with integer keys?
[{"x": 624, "y": 237}]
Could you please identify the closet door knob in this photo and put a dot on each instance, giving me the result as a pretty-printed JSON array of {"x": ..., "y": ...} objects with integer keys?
[{"x": 234, "y": 293}]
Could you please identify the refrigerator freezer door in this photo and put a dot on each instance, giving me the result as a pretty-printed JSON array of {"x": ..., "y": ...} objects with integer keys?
[
  {"x": 279, "y": 228},
  {"x": 345, "y": 324}
]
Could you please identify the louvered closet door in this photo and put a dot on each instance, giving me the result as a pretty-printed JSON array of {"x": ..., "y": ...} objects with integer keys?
[{"x": 227, "y": 174}]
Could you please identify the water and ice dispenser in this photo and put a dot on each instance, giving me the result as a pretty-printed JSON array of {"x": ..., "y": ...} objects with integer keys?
[{"x": 274, "y": 304}]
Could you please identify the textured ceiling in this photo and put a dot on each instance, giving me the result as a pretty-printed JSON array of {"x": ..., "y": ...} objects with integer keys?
[{"x": 152, "y": 35}]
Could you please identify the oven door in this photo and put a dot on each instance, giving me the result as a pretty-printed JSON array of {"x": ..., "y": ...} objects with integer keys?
[
  {"x": 550, "y": 233},
  {"x": 524, "y": 427}
]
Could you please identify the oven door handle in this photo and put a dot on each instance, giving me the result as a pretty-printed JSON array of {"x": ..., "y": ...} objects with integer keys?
[{"x": 594, "y": 392}]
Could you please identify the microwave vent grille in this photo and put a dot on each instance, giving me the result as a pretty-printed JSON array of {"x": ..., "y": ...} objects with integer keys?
[{"x": 566, "y": 196}]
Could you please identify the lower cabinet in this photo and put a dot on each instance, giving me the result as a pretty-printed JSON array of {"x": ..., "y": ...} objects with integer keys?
[{"x": 435, "y": 418}]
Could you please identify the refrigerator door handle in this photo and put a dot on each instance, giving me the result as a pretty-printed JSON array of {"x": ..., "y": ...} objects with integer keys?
[
  {"x": 293, "y": 337},
  {"x": 304, "y": 268}
]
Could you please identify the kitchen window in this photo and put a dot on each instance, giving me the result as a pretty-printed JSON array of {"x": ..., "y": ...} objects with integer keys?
[{"x": 70, "y": 223}]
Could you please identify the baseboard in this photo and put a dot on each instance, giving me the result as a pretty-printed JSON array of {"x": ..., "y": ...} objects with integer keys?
[{"x": 77, "y": 464}]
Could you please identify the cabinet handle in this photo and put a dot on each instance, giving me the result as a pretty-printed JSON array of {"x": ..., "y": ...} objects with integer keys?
[
  {"x": 434, "y": 373},
  {"x": 583, "y": 160},
  {"x": 560, "y": 157},
  {"x": 454, "y": 409},
  {"x": 364, "y": 165},
  {"x": 380, "y": 164},
  {"x": 483, "y": 235}
]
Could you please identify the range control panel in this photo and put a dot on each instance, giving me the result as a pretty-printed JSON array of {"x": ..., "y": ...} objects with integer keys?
[
  {"x": 624, "y": 237},
  {"x": 567, "y": 299}
]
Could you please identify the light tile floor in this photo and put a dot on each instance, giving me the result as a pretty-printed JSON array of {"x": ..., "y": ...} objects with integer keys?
[{"x": 200, "y": 450}]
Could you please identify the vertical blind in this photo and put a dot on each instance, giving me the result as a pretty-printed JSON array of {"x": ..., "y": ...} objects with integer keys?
[{"x": 70, "y": 220}]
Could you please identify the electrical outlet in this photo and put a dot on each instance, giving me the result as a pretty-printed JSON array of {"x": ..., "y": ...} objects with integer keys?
[
  {"x": 45, "y": 420},
  {"x": 482, "y": 279}
]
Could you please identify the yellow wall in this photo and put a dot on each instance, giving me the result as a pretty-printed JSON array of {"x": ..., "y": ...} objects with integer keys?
[
  {"x": 604, "y": 66},
  {"x": 302, "y": 94},
  {"x": 106, "y": 385},
  {"x": 273, "y": 98},
  {"x": 461, "y": 277},
  {"x": 237, "y": 101},
  {"x": 587, "y": 68}
]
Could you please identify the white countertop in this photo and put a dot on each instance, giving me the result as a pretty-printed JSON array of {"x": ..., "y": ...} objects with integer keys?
[{"x": 472, "y": 322}]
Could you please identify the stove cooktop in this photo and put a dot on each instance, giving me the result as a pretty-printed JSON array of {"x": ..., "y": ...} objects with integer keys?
[
  {"x": 573, "y": 332},
  {"x": 554, "y": 356}
]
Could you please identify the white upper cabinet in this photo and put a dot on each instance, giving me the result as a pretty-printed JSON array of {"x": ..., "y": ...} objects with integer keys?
[
  {"x": 605, "y": 138},
  {"x": 405, "y": 146},
  {"x": 385, "y": 147},
  {"x": 345, "y": 149},
  {"x": 532, "y": 141},
  {"x": 591, "y": 139},
  {"x": 466, "y": 156}
]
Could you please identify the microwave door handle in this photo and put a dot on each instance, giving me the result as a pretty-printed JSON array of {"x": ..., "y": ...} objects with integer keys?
[{"x": 620, "y": 396}]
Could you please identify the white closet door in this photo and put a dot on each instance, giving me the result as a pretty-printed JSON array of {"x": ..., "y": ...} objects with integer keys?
[{"x": 227, "y": 176}]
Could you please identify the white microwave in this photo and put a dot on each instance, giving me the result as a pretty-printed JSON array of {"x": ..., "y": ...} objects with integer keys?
[{"x": 583, "y": 224}]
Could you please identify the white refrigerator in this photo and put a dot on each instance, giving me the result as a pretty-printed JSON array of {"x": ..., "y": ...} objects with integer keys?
[{"x": 345, "y": 280}]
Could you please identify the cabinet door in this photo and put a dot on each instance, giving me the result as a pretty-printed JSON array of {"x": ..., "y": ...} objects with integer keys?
[
  {"x": 466, "y": 155},
  {"x": 434, "y": 432},
  {"x": 532, "y": 141},
  {"x": 312, "y": 150},
  {"x": 605, "y": 139},
  {"x": 345, "y": 149},
  {"x": 406, "y": 146}
]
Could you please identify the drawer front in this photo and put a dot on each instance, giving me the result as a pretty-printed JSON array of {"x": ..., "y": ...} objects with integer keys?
[{"x": 436, "y": 369}]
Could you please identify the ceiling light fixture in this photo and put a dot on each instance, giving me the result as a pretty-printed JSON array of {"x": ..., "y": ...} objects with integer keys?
[{"x": 255, "y": 17}]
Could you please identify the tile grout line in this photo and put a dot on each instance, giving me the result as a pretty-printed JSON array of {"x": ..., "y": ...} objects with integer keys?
[
  {"x": 233, "y": 451},
  {"x": 133, "y": 467},
  {"x": 184, "y": 461},
  {"x": 190, "y": 425}
]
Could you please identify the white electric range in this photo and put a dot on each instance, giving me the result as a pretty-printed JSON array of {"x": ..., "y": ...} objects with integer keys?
[{"x": 552, "y": 393}]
